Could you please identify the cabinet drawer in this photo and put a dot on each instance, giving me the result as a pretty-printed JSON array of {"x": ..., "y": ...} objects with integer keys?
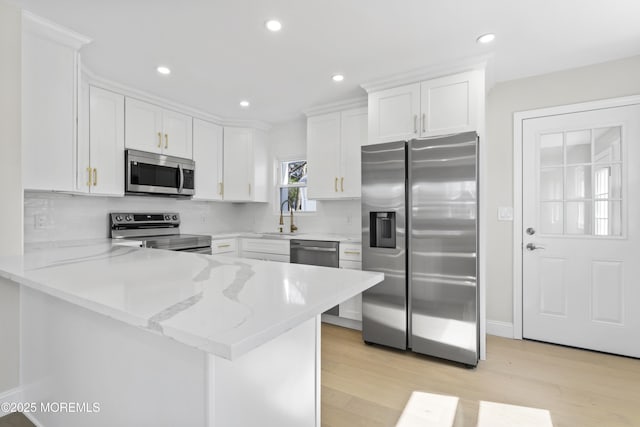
[
  {"x": 266, "y": 246},
  {"x": 266, "y": 257},
  {"x": 350, "y": 252},
  {"x": 223, "y": 246}
]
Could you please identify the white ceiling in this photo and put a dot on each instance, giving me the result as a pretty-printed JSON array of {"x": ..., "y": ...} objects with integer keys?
[{"x": 220, "y": 52}]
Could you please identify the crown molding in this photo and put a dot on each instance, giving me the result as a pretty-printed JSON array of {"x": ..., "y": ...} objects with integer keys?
[
  {"x": 345, "y": 104},
  {"x": 96, "y": 80},
  {"x": 43, "y": 27},
  {"x": 427, "y": 73}
]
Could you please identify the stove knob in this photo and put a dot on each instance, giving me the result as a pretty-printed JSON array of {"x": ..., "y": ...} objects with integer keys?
[
  {"x": 118, "y": 218},
  {"x": 167, "y": 217},
  {"x": 128, "y": 218},
  {"x": 175, "y": 217}
]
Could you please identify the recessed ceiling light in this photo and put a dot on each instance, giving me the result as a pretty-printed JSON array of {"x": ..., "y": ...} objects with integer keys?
[
  {"x": 486, "y": 38},
  {"x": 273, "y": 25},
  {"x": 245, "y": 104},
  {"x": 163, "y": 70},
  {"x": 337, "y": 77}
]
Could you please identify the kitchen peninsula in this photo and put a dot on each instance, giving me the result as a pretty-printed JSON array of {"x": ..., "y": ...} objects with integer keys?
[{"x": 136, "y": 336}]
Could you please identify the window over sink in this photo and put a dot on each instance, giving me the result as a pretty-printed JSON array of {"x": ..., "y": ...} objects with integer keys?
[{"x": 293, "y": 186}]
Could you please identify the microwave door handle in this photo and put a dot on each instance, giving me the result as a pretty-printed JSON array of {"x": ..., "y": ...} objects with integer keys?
[{"x": 181, "y": 185}]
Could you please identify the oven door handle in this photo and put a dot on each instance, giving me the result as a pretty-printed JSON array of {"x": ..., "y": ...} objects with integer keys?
[{"x": 181, "y": 185}]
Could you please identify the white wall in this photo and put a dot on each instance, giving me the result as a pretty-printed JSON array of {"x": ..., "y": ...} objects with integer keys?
[
  {"x": 10, "y": 186},
  {"x": 600, "y": 81},
  {"x": 71, "y": 217},
  {"x": 288, "y": 141}
]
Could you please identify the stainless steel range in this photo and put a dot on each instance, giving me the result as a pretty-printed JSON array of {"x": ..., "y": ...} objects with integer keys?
[{"x": 157, "y": 230}]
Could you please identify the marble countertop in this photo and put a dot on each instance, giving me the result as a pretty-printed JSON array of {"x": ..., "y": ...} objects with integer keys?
[
  {"x": 288, "y": 236},
  {"x": 222, "y": 305}
]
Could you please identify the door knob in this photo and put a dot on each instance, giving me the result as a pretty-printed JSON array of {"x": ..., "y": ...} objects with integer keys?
[
  {"x": 532, "y": 247},
  {"x": 530, "y": 231}
]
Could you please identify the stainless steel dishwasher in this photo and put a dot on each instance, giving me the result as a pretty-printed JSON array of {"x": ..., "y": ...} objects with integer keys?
[{"x": 316, "y": 252}]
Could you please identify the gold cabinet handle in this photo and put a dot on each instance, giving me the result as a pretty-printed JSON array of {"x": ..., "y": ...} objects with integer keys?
[
  {"x": 424, "y": 120},
  {"x": 415, "y": 123},
  {"x": 249, "y": 188},
  {"x": 342, "y": 184},
  {"x": 335, "y": 185},
  {"x": 224, "y": 246},
  {"x": 220, "y": 188},
  {"x": 159, "y": 139},
  {"x": 89, "y": 173},
  {"x": 95, "y": 177},
  {"x": 166, "y": 140},
  {"x": 352, "y": 252}
]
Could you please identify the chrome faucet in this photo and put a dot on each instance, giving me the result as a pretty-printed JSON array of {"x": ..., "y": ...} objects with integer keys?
[{"x": 293, "y": 227}]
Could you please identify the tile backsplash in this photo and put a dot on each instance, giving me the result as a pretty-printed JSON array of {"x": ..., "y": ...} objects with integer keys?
[{"x": 55, "y": 217}]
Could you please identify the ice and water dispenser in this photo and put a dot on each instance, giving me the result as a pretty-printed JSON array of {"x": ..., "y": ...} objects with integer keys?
[{"x": 383, "y": 229}]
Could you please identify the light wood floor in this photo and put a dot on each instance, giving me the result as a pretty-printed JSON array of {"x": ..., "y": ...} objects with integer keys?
[{"x": 369, "y": 385}]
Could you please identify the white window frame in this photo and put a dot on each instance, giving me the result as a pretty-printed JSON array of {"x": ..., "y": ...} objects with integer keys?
[{"x": 279, "y": 186}]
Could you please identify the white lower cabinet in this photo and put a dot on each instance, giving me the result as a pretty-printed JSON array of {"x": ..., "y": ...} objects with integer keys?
[
  {"x": 265, "y": 249},
  {"x": 224, "y": 246},
  {"x": 351, "y": 258}
]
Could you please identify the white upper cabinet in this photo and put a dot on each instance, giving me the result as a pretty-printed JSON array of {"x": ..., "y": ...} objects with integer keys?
[
  {"x": 207, "y": 153},
  {"x": 394, "y": 113},
  {"x": 450, "y": 104},
  {"x": 333, "y": 153},
  {"x": 154, "y": 129},
  {"x": 245, "y": 166},
  {"x": 100, "y": 155},
  {"x": 178, "y": 134},
  {"x": 353, "y": 137},
  {"x": 433, "y": 107},
  {"x": 323, "y": 156},
  {"x": 50, "y": 63}
]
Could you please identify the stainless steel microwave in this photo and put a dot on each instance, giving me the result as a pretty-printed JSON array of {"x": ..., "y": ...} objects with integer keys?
[{"x": 157, "y": 174}]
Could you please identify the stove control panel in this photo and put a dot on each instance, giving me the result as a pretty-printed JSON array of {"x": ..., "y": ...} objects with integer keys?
[{"x": 142, "y": 220}]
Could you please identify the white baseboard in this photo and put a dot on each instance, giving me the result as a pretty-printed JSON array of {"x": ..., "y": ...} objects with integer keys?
[
  {"x": 31, "y": 417},
  {"x": 16, "y": 395},
  {"x": 341, "y": 321},
  {"x": 500, "y": 329},
  {"x": 9, "y": 396}
]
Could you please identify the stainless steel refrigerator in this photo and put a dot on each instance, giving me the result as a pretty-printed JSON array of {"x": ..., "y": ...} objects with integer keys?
[{"x": 420, "y": 228}]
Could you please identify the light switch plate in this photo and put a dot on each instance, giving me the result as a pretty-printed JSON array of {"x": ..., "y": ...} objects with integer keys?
[{"x": 505, "y": 213}]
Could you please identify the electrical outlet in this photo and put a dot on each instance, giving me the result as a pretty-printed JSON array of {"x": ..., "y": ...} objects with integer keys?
[{"x": 40, "y": 221}]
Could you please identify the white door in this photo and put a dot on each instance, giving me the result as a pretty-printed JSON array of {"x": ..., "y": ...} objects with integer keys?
[
  {"x": 178, "y": 134},
  {"x": 353, "y": 137},
  {"x": 323, "y": 156},
  {"x": 581, "y": 233},
  {"x": 394, "y": 114},
  {"x": 207, "y": 153}
]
